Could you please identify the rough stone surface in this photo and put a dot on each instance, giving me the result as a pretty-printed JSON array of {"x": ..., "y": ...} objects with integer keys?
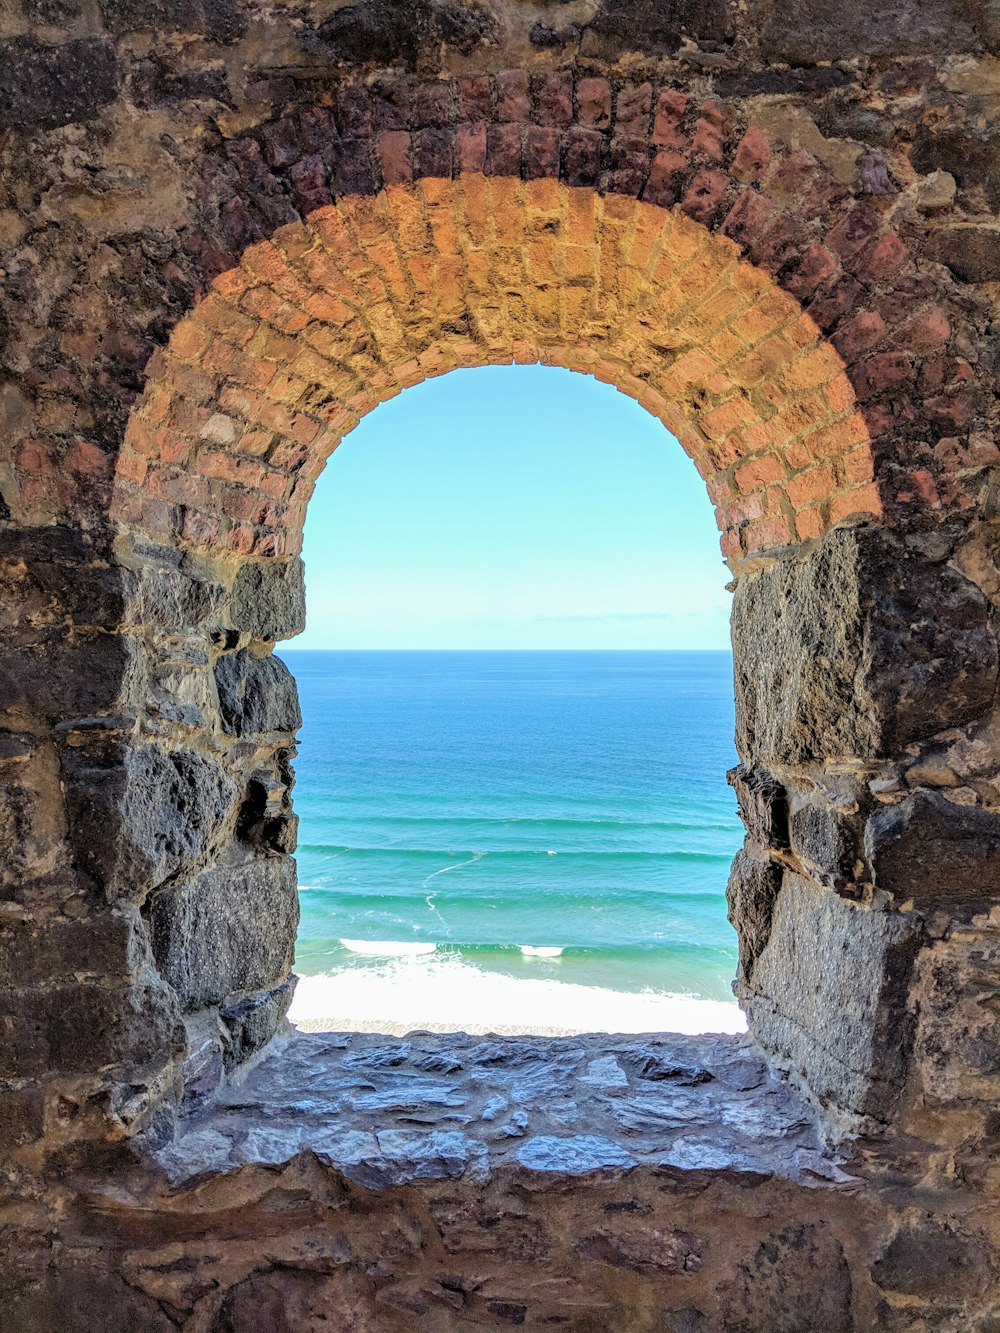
[
  {"x": 826, "y": 957},
  {"x": 857, "y": 648},
  {"x": 269, "y": 600},
  {"x": 256, "y": 694},
  {"x": 929, "y": 850},
  {"x": 227, "y": 931}
]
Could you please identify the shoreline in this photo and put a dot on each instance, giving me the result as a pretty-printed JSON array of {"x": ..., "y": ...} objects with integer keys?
[{"x": 451, "y": 999}]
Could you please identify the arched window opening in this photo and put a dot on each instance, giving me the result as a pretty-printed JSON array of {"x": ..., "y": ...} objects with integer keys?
[{"x": 516, "y": 688}]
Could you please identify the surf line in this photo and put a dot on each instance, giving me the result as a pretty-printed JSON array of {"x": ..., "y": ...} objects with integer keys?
[{"x": 429, "y": 900}]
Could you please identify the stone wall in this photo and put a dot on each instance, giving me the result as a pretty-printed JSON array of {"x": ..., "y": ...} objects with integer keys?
[{"x": 227, "y": 232}]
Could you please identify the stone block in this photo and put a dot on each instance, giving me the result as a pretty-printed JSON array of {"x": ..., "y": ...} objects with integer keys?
[
  {"x": 111, "y": 944},
  {"x": 753, "y": 888},
  {"x": 776, "y": 1288},
  {"x": 256, "y": 695},
  {"x": 935, "y": 852},
  {"x": 763, "y": 806},
  {"x": 251, "y": 1022},
  {"x": 269, "y": 600},
  {"x": 229, "y": 930},
  {"x": 826, "y": 841},
  {"x": 827, "y": 997},
  {"x": 655, "y": 26},
  {"x": 141, "y": 814},
  {"x": 78, "y": 1028},
  {"x": 64, "y": 675},
  {"x": 803, "y": 32},
  {"x": 42, "y": 87},
  {"x": 218, "y": 20},
  {"x": 927, "y": 1259},
  {"x": 856, "y": 648}
]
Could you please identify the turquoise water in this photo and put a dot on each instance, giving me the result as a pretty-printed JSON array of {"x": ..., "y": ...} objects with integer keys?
[{"x": 480, "y": 806}]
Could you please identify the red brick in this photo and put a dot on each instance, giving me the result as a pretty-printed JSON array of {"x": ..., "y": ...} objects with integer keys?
[
  {"x": 554, "y": 103},
  {"x": 503, "y": 150},
  {"x": 704, "y": 194},
  {"x": 632, "y": 110},
  {"x": 816, "y": 265},
  {"x": 200, "y": 529},
  {"x": 666, "y": 177},
  {"x": 808, "y": 524},
  {"x": 513, "y": 96},
  {"x": 394, "y": 153},
  {"x": 670, "y": 109},
  {"x": 709, "y": 132},
  {"x": 475, "y": 98},
  {"x": 593, "y": 99},
  {"x": 470, "y": 147},
  {"x": 859, "y": 334},
  {"x": 752, "y": 158},
  {"x": 541, "y": 152},
  {"x": 884, "y": 259},
  {"x": 931, "y": 329},
  {"x": 767, "y": 532}
]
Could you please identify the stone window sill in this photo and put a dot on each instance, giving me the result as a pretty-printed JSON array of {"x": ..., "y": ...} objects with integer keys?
[{"x": 386, "y": 1111}]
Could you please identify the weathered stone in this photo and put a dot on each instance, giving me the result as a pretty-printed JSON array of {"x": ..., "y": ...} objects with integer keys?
[
  {"x": 73, "y": 1027},
  {"x": 758, "y": 1298},
  {"x": 839, "y": 654},
  {"x": 42, "y": 87},
  {"x": 218, "y": 20},
  {"x": 926, "y": 1260},
  {"x": 751, "y": 893},
  {"x": 823, "y": 839},
  {"x": 146, "y": 814},
  {"x": 108, "y": 944},
  {"x": 227, "y": 931},
  {"x": 256, "y": 694},
  {"x": 657, "y": 26},
  {"x": 929, "y": 850},
  {"x": 251, "y": 1022},
  {"x": 66, "y": 675},
  {"x": 268, "y": 600},
  {"x": 576, "y": 1155},
  {"x": 379, "y": 31},
  {"x": 806, "y": 31},
  {"x": 827, "y": 958},
  {"x": 763, "y": 806},
  {"x": 972, "y": 252}
]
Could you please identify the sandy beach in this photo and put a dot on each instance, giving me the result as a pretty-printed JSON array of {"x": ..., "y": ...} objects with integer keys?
[{"x": 410, "y": 994}]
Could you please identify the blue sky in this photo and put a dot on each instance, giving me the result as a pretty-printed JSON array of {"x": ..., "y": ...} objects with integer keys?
[{"x": 512, "y": 507}]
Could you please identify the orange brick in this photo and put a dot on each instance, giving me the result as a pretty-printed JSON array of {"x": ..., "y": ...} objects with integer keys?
[
  {"x": 810, "y": 487},
  {"x": 759, "y": 472},
  {"x": 862, "y": 500},
  {"x": 809, "y": 524}
]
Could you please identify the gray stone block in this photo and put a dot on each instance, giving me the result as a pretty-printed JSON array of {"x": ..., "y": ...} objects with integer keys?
[
  {"x": 751, "y": 893},
  {"x": 142, "y": 814},
  {"x": 827, "y": 997},
  {"x": 856, "y": 649},
  {"x": 933, "y": 851},
  {"x": 256, "y": 694},
  {"x": 228, "y": 931},
  {"x": 269, "y": 600}
]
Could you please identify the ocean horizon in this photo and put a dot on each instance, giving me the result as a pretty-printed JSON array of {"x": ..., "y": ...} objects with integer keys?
[{"x": 515, "y": 839}]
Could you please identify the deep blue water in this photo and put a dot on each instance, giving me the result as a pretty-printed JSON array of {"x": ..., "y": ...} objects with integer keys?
[{"x": 481, "y": 802}]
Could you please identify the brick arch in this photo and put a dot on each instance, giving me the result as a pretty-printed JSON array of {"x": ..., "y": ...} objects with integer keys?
[{"x": 340, "y": 311}]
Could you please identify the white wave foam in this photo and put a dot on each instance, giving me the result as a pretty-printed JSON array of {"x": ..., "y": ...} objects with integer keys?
[
  {"x": 449, "y": 995},
  {"x": 388, "y": 948},
  {"x": 540, "y": 951}
]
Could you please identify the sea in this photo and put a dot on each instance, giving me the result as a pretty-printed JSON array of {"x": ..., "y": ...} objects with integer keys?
[{"x": 515, "y": 841}]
